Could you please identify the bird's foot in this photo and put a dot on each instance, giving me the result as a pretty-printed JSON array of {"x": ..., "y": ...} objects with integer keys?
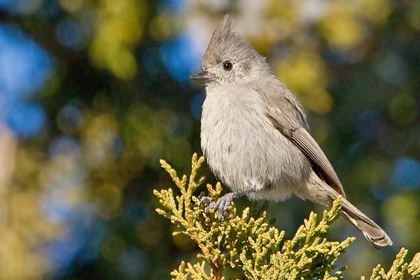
[{"x": 221, "y": 205}]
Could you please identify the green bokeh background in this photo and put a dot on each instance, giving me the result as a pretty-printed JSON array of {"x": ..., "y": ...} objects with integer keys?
[{"x": 355, "y": 66}]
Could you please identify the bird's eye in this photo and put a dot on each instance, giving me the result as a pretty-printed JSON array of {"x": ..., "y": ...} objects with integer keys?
[{"x": 227, "y": 65}]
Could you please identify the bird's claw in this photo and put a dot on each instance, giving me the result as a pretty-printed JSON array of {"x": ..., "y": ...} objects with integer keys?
[
  {"x": 204, "y": 201},
  {"x": 221, "y": 205}
]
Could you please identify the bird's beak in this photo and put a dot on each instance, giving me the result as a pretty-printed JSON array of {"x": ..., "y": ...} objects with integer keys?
[{"x": 202, "y": 77}]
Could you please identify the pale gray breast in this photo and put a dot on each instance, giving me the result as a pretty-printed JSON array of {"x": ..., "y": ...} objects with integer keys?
[{"x": 242, "y": 147}]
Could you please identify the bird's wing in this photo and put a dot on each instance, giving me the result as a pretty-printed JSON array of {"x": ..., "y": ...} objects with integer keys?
[
  {"x": 287, "y": 115},
  {"x": 311, "y": 148}
]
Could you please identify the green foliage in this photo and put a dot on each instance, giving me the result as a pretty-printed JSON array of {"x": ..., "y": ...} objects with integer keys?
[
  {"x": 252, "y": 245},
  {"x": 399, "y": 268},
  {"x": 248, "y": 244}
]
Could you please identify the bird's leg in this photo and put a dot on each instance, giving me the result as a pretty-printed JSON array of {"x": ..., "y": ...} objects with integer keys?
[{"x": 222, "y": 204}]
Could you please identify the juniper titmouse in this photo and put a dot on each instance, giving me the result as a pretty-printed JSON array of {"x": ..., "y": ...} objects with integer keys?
[{"x": 255, "y": 136}]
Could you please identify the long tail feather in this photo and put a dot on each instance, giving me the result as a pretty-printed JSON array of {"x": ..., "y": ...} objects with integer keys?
[{"x": 319, "y": 191}]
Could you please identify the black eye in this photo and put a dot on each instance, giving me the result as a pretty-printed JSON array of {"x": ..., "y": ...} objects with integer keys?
[{"x": 227, "y": 65}]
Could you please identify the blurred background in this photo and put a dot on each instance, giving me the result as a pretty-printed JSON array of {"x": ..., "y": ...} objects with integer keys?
[{"x": 94, "y": 92}]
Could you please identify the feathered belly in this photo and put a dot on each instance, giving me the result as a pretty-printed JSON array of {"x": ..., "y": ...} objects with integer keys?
[{"x": 245, "y": 151}]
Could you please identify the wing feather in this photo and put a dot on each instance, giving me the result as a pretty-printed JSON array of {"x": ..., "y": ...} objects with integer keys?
[
  {"x": 310, "y": 147},
  {"x": 288, "y": 116}
]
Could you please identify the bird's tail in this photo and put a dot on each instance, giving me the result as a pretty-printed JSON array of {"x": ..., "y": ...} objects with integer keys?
[
  {"x": 320, "y": 192},
  {"x": 374, "y": 233}
]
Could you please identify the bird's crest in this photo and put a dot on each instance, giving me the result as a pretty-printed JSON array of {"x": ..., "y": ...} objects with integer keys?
[{"x": 225, "y": 41}]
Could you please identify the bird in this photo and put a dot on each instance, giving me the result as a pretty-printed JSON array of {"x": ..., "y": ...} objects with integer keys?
[{"x": 255, "y": 135}]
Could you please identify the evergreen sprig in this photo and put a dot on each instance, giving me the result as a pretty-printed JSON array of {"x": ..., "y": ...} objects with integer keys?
[
  {"x": 252, "y": 245},
  {"x": 399, "y": 269}
]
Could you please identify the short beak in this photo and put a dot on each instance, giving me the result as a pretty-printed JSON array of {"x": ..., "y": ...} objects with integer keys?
[{"x": 202, "y": 77}]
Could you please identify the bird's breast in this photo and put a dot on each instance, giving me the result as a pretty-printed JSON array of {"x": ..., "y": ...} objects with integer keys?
[{"x": 242, "y": 147}]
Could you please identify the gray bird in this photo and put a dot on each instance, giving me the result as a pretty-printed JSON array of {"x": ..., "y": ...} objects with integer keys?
[{"x": 255, "y": 135}]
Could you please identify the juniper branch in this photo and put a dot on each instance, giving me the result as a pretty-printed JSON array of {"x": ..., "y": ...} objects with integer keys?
[{"x": 252, "y": 246}]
